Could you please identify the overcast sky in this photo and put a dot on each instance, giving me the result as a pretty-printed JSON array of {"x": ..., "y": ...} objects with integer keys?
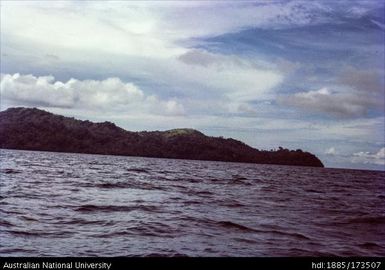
[{"x": 296, "y": 74}]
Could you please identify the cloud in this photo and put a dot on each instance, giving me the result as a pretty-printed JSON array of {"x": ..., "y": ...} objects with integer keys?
[
  {"x": 357, "y": 12},
  {"x": 246, "y": 108},
  {"x": 117, "y": 28},
  {"x": 370, "y": 158},
  {"x": 148, "y": 44},
  {"x": 286, "y": 66},
  {"x": 151, "y": 42},
  {"x": 366, "y": 81},
  {"x": 234, "y": 77},
  {"x": 363, "y": 130},
  {"x": 331, "y": 151},
  {"x": 340, "y": 104},
  {"x": 379, "y": 24},
  {"x": 213, "y": 19},
  {"x": 108, "y": 94},
  {"x": 52, "y": 57},
  {"x": 200, "y": 57},
  {"x": 209, "y": 65},
  {"x": 141, "y": 28}
]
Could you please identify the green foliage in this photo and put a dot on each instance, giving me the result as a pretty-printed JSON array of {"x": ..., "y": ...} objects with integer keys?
[{"x": 33, "y": 129}]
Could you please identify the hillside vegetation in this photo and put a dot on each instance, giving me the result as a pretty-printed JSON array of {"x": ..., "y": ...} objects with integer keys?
[{"x": 34, "y": 129}]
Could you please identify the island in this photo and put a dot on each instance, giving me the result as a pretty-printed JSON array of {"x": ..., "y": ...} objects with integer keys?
[{"x": 35, "y": 129}]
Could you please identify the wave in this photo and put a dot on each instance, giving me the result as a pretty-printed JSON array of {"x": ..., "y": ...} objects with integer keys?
[
  {"x": 310, "y": 253},
  {"x": 370, "y": 245},
  {"x": 290, "y": 234},
  {"x": 163, "y": 206},
  {"x": 165, "y": 253},
  {"x": 149, "y": 229},
  {"x": 126, "y": 184},
  {"x": 204, "y": 193},
  {"x": 10, "y": 171},
  {"x": 233, "y": 225},
  {"x": 113, "y": 185},
  {"x": 16, "y": 250},
  {"x": 231, "y": 203},
  {"x": 275, "y": 229},
  {"x": 245, "y": 240},
  {"x": 138, "y": 170},
  {"x": 238, "y": 178},
  {"x": 368, "y": 220},
  {"x": 5, "y": 223},
  {"x": 364, "y": 220},
  {"x": 28, "y": 218},
  {"x": 79, "y": 221},
  {"x": 115, "y": 208},
  {"x": 100, "y": 163},
  {"x": 58, "y": 234}
]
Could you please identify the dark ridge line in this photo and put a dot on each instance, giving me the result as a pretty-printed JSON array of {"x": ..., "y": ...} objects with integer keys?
[{"x": 35, "y": 129}]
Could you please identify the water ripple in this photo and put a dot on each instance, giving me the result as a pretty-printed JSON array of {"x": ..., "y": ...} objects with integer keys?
[{"x": 91, "y": 205}]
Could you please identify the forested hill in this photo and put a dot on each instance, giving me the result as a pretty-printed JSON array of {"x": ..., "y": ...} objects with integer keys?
[{"x": 34, "y": 129}]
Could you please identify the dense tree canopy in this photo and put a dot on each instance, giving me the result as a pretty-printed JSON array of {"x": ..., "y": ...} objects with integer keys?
[{"x": 34, "y": 129}]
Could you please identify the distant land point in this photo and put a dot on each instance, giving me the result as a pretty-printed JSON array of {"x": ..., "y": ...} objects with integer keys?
[{"x": 35, "y": 129}]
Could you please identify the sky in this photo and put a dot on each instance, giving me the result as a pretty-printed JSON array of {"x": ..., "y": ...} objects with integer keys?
[{"x": 296, "y": 74}]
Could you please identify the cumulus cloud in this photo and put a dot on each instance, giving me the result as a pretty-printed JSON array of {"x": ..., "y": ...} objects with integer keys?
[
  {"x": 370, "y": 158},
  {"x": 155, "y": 45},
  {"x": 356, "y": 92},
  {"x": 149, "y": 43},
  {"x": 341, "y": 104},
  {"x": 111, "y": 94},
  {"x": 142, "y": 40}
]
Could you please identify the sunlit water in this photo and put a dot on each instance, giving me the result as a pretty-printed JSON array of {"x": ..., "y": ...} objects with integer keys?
[{"x": 59, "y": 204}]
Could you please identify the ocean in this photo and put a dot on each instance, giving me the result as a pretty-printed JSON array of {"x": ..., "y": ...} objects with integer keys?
[{"x": 65, "y": 204}]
